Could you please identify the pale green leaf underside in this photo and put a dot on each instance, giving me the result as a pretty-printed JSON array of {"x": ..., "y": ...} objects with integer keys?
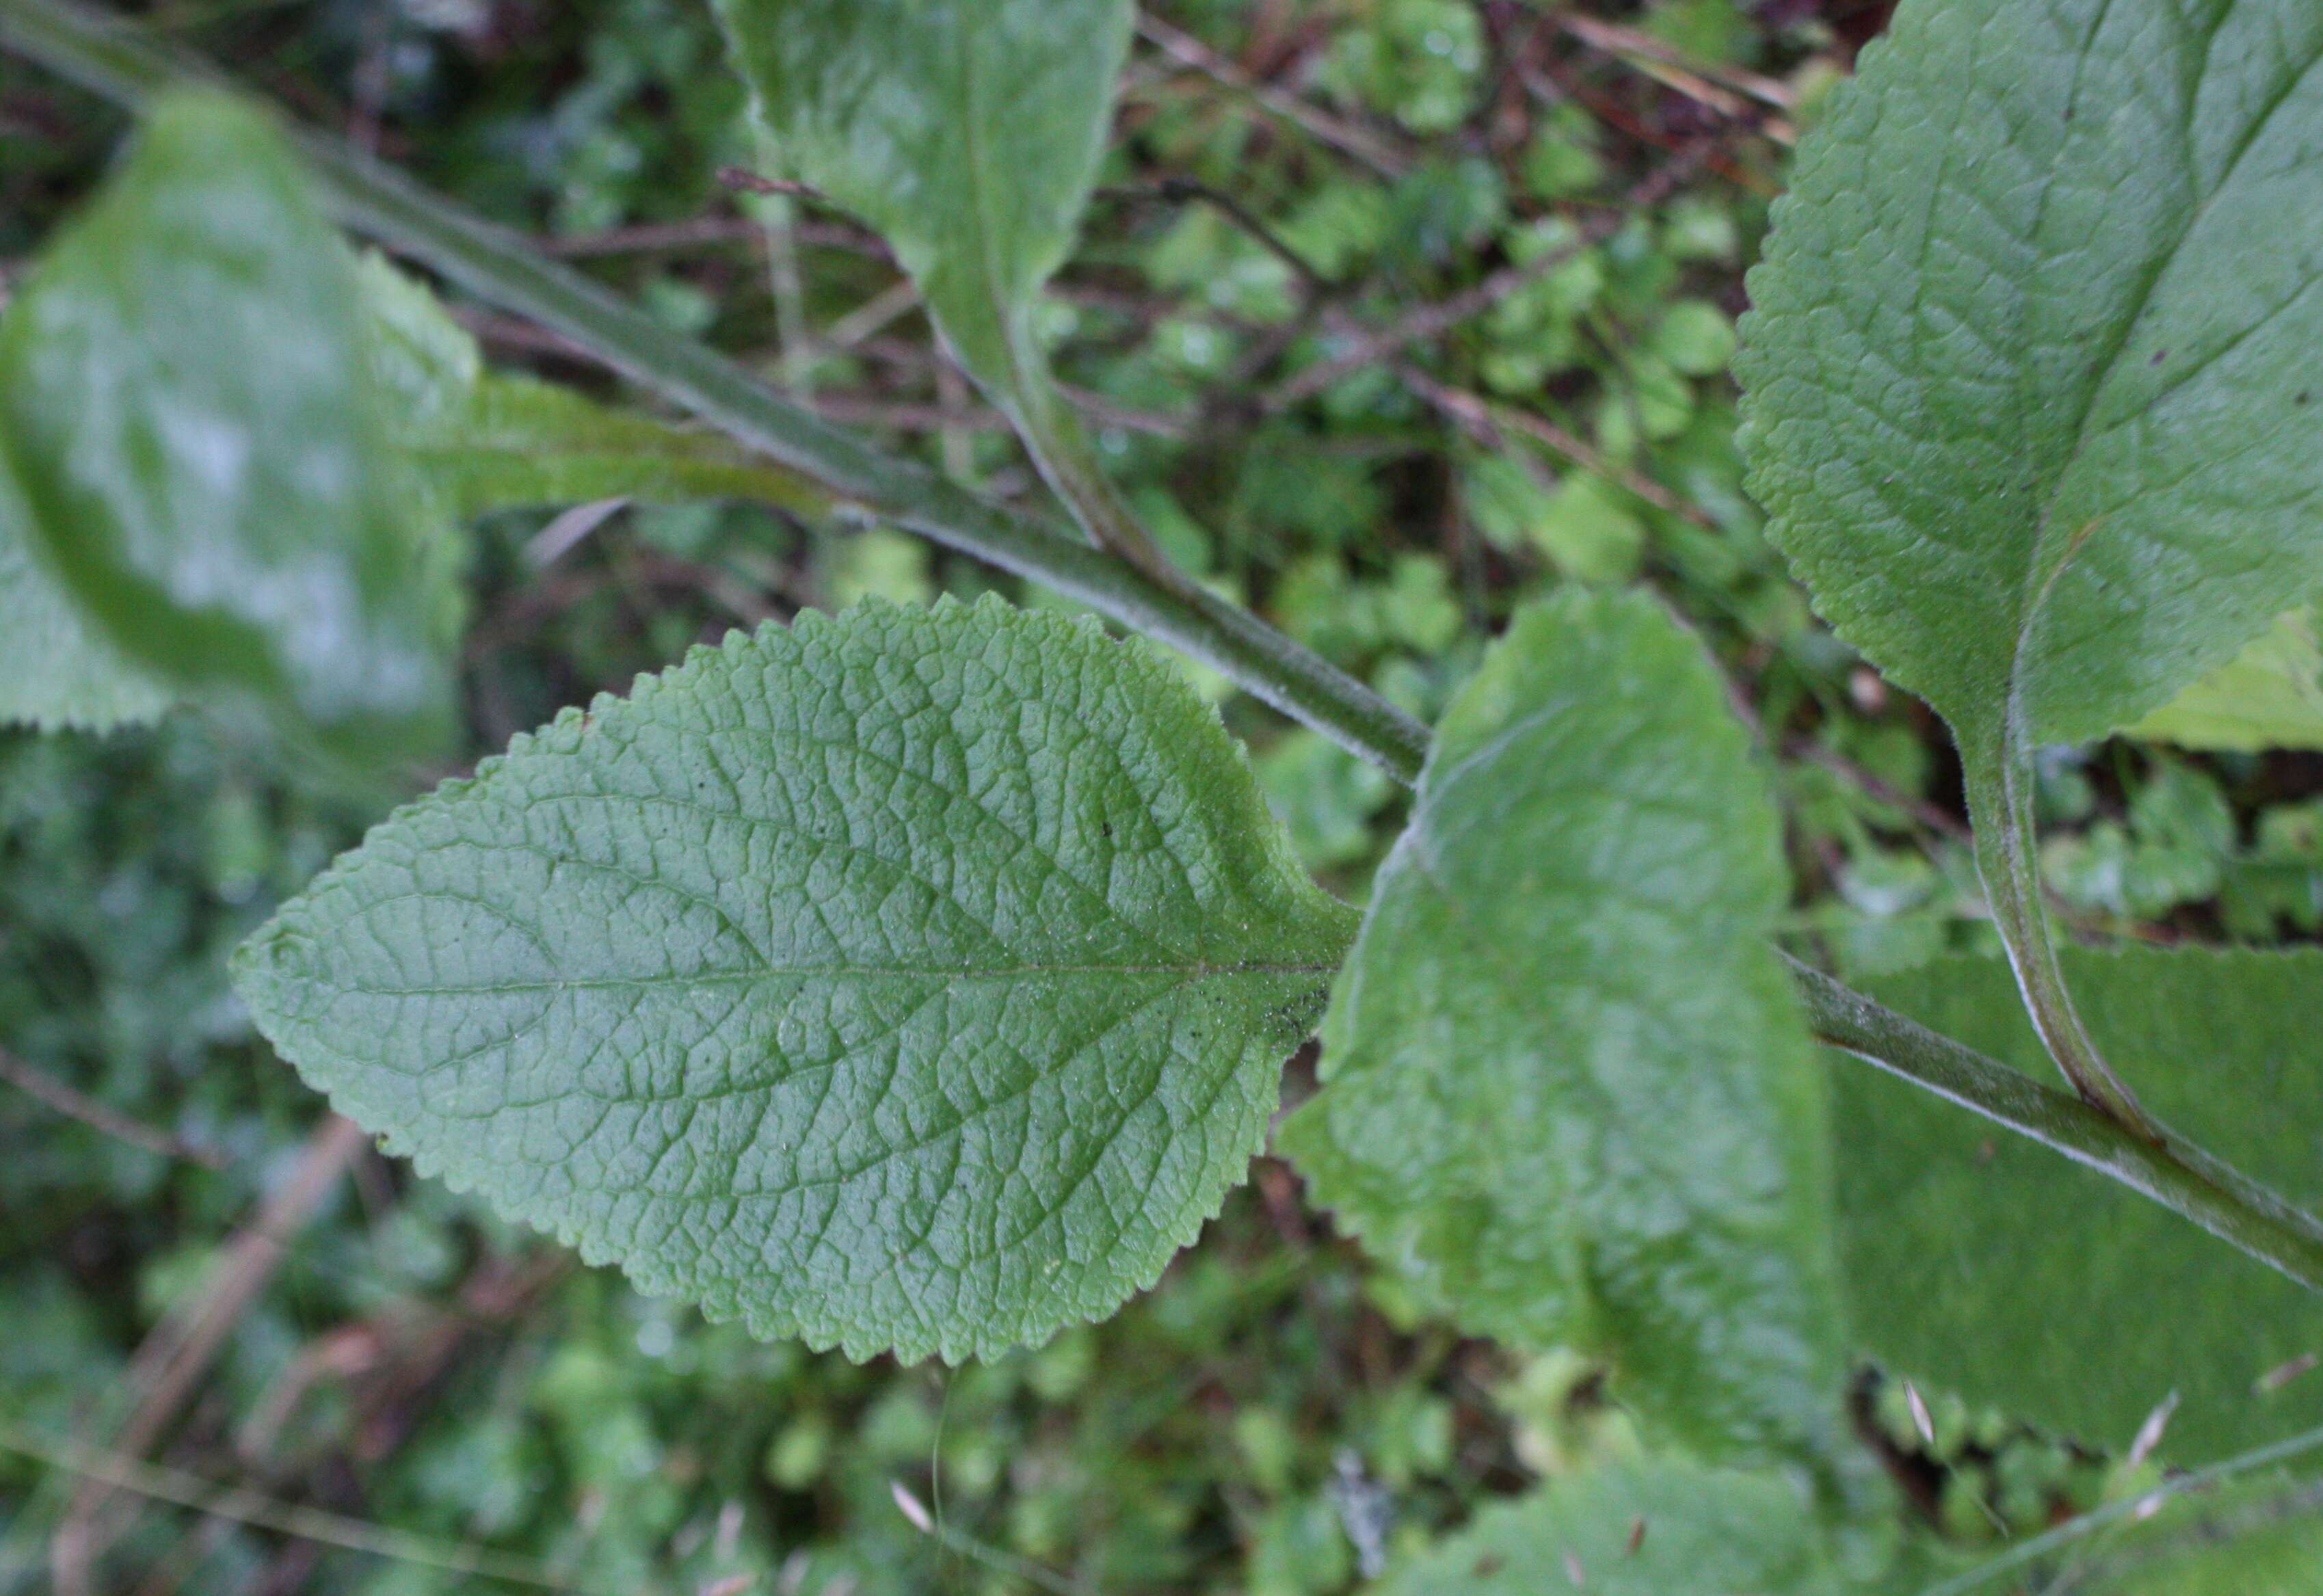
[
  {"x": 966, "y": 132},
  {"x": 1568, "y": 1095},
  {"x": 914, "y": 980},
  {"x": 2033, "y": 397},
  {"x": 1985, "y": 1263},
  {"x": 2268, "y": 696},
  {"x": 1708, "y": 1532}
]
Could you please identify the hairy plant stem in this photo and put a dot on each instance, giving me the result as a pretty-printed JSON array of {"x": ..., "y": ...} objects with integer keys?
[
  {"x": 1067, "y": 462},
  {"x": 111, "y": 60},
  {"x": 2182, "y": 1178},
  {"x": 1998, "y": 767}
]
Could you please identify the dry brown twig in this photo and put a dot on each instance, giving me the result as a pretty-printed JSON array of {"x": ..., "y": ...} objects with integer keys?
[
  {"x": 1487, "y": 420},
  {"x": 1367, "y": 147},
  {"x": 1433, "y": 320},
  {"x": 169, "y": 1365},
  {"x": 46, "y": 1088},
  {"x": 1720, "y": 89}
]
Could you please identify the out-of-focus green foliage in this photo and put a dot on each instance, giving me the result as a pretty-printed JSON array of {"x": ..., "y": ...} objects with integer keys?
[{"x": 200, "y": 453}]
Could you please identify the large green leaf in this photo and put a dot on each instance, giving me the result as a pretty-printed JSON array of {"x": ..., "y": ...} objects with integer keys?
[
  {"x": 2033, "y": 396},
  {"x": 1567, "y": 1093},
  {"x": 186, "y": 406},
  {"x": 1652, "y": 1528},
  {"x": 967, "y": 132},
  {"x": 428, "y": 368},
  {"x": 1983, "y": 1262},
  {"x": 916, "y": 979},
  {"x": 474, "y": 442},
  {"x": 2268, "y": 696}
]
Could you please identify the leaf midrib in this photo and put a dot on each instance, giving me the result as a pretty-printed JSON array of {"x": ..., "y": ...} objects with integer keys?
[{"x": 1198, "y": 970}]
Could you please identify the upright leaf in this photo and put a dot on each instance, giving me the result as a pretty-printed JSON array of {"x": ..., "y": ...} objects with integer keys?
[
  {"x": 1654, "y": 1529},
  {"x": 967, "y": 132},
  {"x": 2031, "y": 396},
  {"x": 915, "y": 980},
  {"x": 1983, "y": 1262},
  {"x": 186, "y": 406},
  {"x": 2032, "y": 387},
  {"x": 1567, "y": 1093}
]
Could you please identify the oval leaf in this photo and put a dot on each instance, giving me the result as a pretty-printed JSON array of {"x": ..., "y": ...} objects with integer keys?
[
  {"x": 1568, "y": 1094},
  {"x": 2031, "y": 388},
  {"x": 185, "y": 404},
  {"x": 915, "y": 980}
]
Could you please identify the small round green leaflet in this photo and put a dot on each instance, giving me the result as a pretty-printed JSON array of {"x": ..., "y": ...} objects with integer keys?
[{"x": 912, "y": 980}]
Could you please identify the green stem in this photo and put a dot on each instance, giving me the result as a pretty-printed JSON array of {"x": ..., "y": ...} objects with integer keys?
[
  {"x": 1998, "y": 768},
  {"x": 2180, "y": 1178},
  {"x": 497, "y": 266},
  {"x": 1061, "y": 447}
]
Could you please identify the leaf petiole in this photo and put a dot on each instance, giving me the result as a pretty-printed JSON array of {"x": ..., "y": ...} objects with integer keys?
[{"x": 2000, "y": 809}]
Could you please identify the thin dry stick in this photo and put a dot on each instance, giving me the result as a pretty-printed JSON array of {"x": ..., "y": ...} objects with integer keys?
[
  {"x": 1618, "y": 40},
  {"x": 1481, "y": 417},
  {"x": 1177, "y": 190},
  {"x": 954, "y": 402},
  {"x": 47, "y": 1088},
  {"x": 871, "y": 409},
  {"x": 1432, "y": 321},
  {"x": 171, "y": 1363},
  {"x": 111, "y": 1471},
  {"x": 1367, "y": 147}
]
